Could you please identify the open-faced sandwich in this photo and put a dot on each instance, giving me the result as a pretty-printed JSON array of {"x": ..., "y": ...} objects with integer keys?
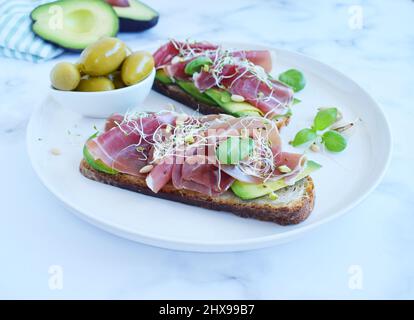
[
  {"x": 213, "y": 80},
  {"x": 218, "y": 162}
]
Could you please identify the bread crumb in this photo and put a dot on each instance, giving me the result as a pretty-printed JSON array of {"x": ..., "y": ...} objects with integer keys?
[{"x": 55, "y": 151}]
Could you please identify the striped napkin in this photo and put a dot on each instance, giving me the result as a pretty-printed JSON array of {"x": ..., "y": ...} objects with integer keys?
[{"x": 16, "y": 38}]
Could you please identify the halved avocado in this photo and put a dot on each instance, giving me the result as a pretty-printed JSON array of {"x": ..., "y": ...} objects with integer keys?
[
  {"x": 137, "y": 16},
  {"x": 248, "y": 191},
  {"x": 74, "y": 24}
]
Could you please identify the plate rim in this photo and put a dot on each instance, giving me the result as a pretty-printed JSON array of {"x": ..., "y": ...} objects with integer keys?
[{"x": 229, "y": 245}]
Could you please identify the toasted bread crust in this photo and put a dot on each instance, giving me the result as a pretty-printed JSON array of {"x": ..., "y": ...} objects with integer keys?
[
  {"x": 294, "y": 212},
  {"x": 175, "y": 92}
]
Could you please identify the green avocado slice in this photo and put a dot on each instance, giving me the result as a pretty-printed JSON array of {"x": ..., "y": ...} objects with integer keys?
[
  {"x": 74, "y": 24},
  {"x": 212, "y": 96},
  {"x": 96, "y": 164},
  {"x": 162, "y": 77},
  {"x": 248, "y": 191},
  {"x": 238, "y": 109},
  {"x": 192, "y": 90}
]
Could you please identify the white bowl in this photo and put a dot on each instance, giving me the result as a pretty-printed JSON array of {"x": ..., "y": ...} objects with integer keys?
[{"x": 104, "y": 103}]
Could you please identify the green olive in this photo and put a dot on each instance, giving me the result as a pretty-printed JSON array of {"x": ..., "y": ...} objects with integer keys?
[
  {"x": 65, "y": 76},
  {"x": 103, "y": 57},
  {"x": 137, "y": 67},
  {"x": 117, "y": 80},
  {"x": 79, "y": 67},
  {"x": 95, "y": 84}
]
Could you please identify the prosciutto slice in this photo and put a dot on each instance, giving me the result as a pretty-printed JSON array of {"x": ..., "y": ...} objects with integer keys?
[
  {"x": 128, "y": 144},
  {"x": 272, "y": 98},
  {"x": 258, "y": 57},
  {"x": 113, "y": 121},
  {"x": 200, "y": 176},
  {"x": 160, "y": 175},
  {"x": 168, "y": 51},
  {"x": 125, "y": 147}
]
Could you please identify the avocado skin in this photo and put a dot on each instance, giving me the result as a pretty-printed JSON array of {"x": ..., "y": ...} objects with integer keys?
[
  {"x": 130, "y": 19},
  {"x": 130, "y": 25},
  {"x": 248, "y": 191}
]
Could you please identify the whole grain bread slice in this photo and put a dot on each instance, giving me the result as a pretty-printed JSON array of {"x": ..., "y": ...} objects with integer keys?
[
  {"x": 293, "y": 206},
  {"x": 176, "y": 93}
]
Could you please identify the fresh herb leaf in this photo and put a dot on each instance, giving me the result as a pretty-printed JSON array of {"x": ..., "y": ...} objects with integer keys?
[
  {"x": 197, "y": 64},
  {"x": 294, "y": 79},
  {"x": 296, "y": 101},
  {"x": 325, "y": 118},
  {"x": 304, "y": 136},
  {"x": 334, "y": 141},
  {"x": 234, "y": 149}
]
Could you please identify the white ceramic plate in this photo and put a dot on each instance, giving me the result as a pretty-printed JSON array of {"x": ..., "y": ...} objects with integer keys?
[{"x": 344, "y": 180}]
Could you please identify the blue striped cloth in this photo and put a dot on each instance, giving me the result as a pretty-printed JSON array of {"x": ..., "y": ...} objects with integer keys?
[{"x": 16, "y": 38}]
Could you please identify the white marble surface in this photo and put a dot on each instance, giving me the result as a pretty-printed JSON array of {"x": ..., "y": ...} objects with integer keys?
[{"x": 374, "y": 240}]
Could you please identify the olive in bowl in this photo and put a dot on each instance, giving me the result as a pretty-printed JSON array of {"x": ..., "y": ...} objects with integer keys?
[
  {"x": 108, "y": 78},
  {"x": 101, "y": 104}
]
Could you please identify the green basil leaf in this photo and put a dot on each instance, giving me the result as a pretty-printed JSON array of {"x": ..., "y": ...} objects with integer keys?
[
  {"x": 234, "y": 149},
  {"x": 334, "y": 141},
  {"x": 325, "y": 118},
  {"x": 197, "y": 64},
  {"x": 304, "y": 136},
  {"x": 294, "y": 79},
  {"x": 296, "y": 101}
]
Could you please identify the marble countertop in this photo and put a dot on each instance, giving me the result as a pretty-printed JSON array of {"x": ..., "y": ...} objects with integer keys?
[{"x": 46, "y": 252}]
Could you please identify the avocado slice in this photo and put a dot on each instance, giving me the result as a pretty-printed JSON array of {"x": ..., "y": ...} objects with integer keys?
[
  {"x": 192, "y": 90},
  {"x": 136, "y": 16},
  {"x": 238, "y": 109},
  {"x": 96, "y": 164},
  {"x": 187, "y": 86},
  {"x": 212, "y": 96},
  {"x": 74, "y": 24},
  {"x": 248, "y": 191},
  {"x": 162, "y": 77}
]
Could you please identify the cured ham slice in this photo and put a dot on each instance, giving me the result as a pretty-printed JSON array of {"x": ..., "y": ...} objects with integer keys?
[
  {"x": 160, "y": 175},
  {"x": 131, "y": 143},
  {"x": 272, "y": 98},
  {"x": 261, "y": 58},
  {"x": 200, "y": 177},
  {"x": 168, "y": 51},
  {"x": 176, "y": 70},
  {"x": 125, "y": 147},
  {"x": 113, "y": 121}
]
